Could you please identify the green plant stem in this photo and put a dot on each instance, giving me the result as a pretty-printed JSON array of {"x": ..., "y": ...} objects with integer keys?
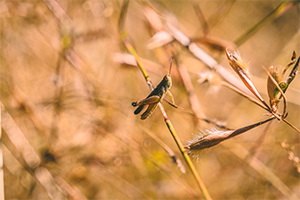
[
  {"x": 168, "y": 122},
  {"x": 1, "y": 162},
  {"x": 232, "y": 87},
  {"x": 137, "y": 58},
  {"x": 186, "y": 157},
  {"x": 282, "y": 8}
]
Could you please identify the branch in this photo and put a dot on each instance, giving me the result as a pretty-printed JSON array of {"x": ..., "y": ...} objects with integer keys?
[{"x": 167, "y": 121}]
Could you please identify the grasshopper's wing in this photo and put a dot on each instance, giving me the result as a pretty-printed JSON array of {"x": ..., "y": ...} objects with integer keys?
[
  {"x": 148, "y": 101},
  {"x": 149, "y": 111}
]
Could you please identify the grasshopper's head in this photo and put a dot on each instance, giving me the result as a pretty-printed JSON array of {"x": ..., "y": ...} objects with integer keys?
[
  {"x": 167, "y": 78},
  {"x": 167, "y": 81}
]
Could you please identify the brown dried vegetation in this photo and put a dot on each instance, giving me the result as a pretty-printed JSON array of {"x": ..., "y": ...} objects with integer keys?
[{"x": 68, "y": 80}]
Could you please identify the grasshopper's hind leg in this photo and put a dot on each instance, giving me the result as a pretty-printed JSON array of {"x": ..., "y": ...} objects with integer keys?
[
  {"x": 149, "y": 111},
  {"x": 139, "y": 109}
]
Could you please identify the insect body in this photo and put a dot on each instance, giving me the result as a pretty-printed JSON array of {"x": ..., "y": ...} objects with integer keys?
[{"x": 155, "y": 97}]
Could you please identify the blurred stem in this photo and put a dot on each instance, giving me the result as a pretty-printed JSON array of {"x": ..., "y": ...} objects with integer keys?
[
  {"x": 166, "y": 148},
  {"x": 244, "y": 94},
  {"x": 1, "y": 161},
  {"x": 291, "y": 125},
  {"x": 282, "y": 8},
  {"x": 258, "y": 142},
  {"x": 168, "y": 122},
  {"x": 193, "y": 99},
  {"x": 261, "y": 168},
  {"x": 137, "y": 58}
]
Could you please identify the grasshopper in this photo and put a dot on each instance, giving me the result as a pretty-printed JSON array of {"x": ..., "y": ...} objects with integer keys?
[{"x": 156, "y": 96}]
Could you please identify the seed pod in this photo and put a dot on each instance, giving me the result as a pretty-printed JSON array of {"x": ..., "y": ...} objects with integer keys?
[{"x": 241, "y": 69}]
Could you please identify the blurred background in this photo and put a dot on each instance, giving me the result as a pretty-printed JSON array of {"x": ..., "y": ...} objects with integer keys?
[{"x": 67, "y": 84}]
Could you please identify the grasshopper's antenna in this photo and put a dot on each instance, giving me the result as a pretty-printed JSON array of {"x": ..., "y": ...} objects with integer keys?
[{"x": 171, "y": 65}]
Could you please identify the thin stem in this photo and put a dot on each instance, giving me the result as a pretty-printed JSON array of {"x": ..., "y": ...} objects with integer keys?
[
  {"x": 1, "y": 162},
  {"x": 291, "y": 125},
  {"x": 137, "y": 58},
  {"x": 244, "y": 94},
  {"x": 185, "y": 155},
  {"x": 282, "y": 8},
  {"x": 282, "y": 93},
  {"x": 166, "y": 148},
  {"x": 168, "y": 122},
  {"x": 193, "y": 99}
]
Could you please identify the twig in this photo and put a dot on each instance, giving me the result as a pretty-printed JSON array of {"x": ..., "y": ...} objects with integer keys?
[
  {"x": 59, "y": 13},
  {"x": 206, "y": 58},
  {"x": 128, "y": 141},
  {"x": 72, "y": 192},
  {"x": 193, "y": 99},
  {"x": 166, "y": 148},
  {"x": 291, "y": 125},
  {"x": 168, "y": 122},
  {"x": 130, "y": 60},
  {"x": 262, "y": 169},
  {"x": 31, "y": 158},
  {"x": 280, "y": 10},
  {"x": 1, "y": 161},
  {"x": 19, "y": 140},
  {"x": 284, "y": 114},
  {"x": 201, "y": 18},
  {"x": 47, "y": 181},
  {"x": 14, "y": 166},
  {"x": 258, "y": 142},
  {"x": 244, "y": 94}
]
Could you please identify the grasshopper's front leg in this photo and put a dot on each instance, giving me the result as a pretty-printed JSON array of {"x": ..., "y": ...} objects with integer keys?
[{"x": 172, "y": 98}]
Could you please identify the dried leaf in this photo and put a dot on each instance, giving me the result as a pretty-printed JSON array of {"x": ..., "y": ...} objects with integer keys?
[
  {"x": 159, "y": 39},
  {"x": 241, "y": 69},
  {"x": 214, "y": 137}
]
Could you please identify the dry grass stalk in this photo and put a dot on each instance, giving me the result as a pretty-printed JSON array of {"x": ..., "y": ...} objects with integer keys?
[
  {"x": 128, "y": 141},
  {"x": 46, "y": 179},
  {"x": 277, "y": 12},
  {"x": 82, "y": 104},
  {"x": 70, "y": 191},
  {"x": 200, "y": 54},
  {"x": 167, "y": 120},
  {"x": 167, "y": 149},
  {"x": 19, "y": 140},
  {"x": 193, "y": 99},
  {"x": 31, "y": 158},
  {"x": 241, "y": 69},
  {"x": 262, "y": 169},
  {"x": 59, "y": 13},
  {"x": 1, "y": 161}
]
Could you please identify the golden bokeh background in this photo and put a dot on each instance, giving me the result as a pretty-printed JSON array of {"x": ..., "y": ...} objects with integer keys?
[{"x": 68, "y": 128}]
